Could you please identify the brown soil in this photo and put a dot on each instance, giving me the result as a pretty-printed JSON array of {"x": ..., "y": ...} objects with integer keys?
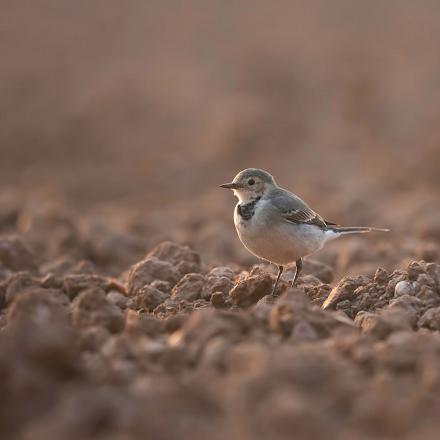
[
  {"x": 176, "y": 348},
  {"x": 128, "y": 307}
]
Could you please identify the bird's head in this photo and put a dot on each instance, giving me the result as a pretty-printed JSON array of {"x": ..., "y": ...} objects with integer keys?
[{"x": 250, "y": 184}]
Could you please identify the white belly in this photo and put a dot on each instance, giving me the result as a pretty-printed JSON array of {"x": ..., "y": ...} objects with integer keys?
[{"x": 276, "y": 240}]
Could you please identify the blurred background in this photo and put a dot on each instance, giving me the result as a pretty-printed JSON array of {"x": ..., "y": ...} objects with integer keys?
[{"x": 118, "y": 121}]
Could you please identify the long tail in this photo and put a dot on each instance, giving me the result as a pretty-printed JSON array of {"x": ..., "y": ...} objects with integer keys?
[{"x": 355, "y": 230}]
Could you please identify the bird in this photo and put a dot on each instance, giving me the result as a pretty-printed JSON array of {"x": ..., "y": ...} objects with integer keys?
[{"x": 277, "y": 225}]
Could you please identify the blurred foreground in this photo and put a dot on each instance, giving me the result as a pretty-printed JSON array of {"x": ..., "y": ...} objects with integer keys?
[{"x": 178, "y": 349}]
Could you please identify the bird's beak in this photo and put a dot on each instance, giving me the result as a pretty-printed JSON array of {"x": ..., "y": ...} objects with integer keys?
[{"x": 231, "y": 185}]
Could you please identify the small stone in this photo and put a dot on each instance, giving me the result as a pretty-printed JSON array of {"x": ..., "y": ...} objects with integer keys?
[
  {"x": 404, "y": 288},
  {"x": 395, "y": 278}
]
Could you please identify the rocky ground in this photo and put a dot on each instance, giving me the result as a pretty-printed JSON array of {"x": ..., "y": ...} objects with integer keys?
[{"x": 173, "y": 347}]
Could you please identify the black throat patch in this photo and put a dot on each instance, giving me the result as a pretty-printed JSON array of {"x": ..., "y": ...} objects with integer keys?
[{"x": 247, "y": 210}]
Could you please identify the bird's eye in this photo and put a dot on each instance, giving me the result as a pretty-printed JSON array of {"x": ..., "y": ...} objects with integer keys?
[{"x": 251, "y": 181}]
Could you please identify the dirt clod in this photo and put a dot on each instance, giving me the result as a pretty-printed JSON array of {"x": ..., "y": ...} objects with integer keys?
[
  {"x": 150, "y": 297},
  {"x": 91, "y": 308},
  {"x": 248, "y": 291},
  {"x": 15, "y": 254},
  {"x": 299, "y": 358},
  {"x": 190, "y": 287},
  {"x": 149, "y": 270},
  {"x": 344, "y": 290}
]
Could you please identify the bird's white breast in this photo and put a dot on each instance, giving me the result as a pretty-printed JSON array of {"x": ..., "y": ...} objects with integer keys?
[{"x": 269, "y": 236}]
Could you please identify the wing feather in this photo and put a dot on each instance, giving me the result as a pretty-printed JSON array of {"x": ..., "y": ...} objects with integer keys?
[{"x": 295, "y": 210}]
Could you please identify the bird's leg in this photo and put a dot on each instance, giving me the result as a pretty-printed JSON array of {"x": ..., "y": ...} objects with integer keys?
[
  {"x": 280, "y": 271},
  {"x": 299, "y": 265}
]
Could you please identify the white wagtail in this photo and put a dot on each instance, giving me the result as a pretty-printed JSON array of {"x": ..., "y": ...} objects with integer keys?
[{"x": 278, "y": 226}]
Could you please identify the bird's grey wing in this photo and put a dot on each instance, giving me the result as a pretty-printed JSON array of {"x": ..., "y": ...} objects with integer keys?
[
  {"x": 306, "y": 216},
  {"x": 295, "y": 210}
]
